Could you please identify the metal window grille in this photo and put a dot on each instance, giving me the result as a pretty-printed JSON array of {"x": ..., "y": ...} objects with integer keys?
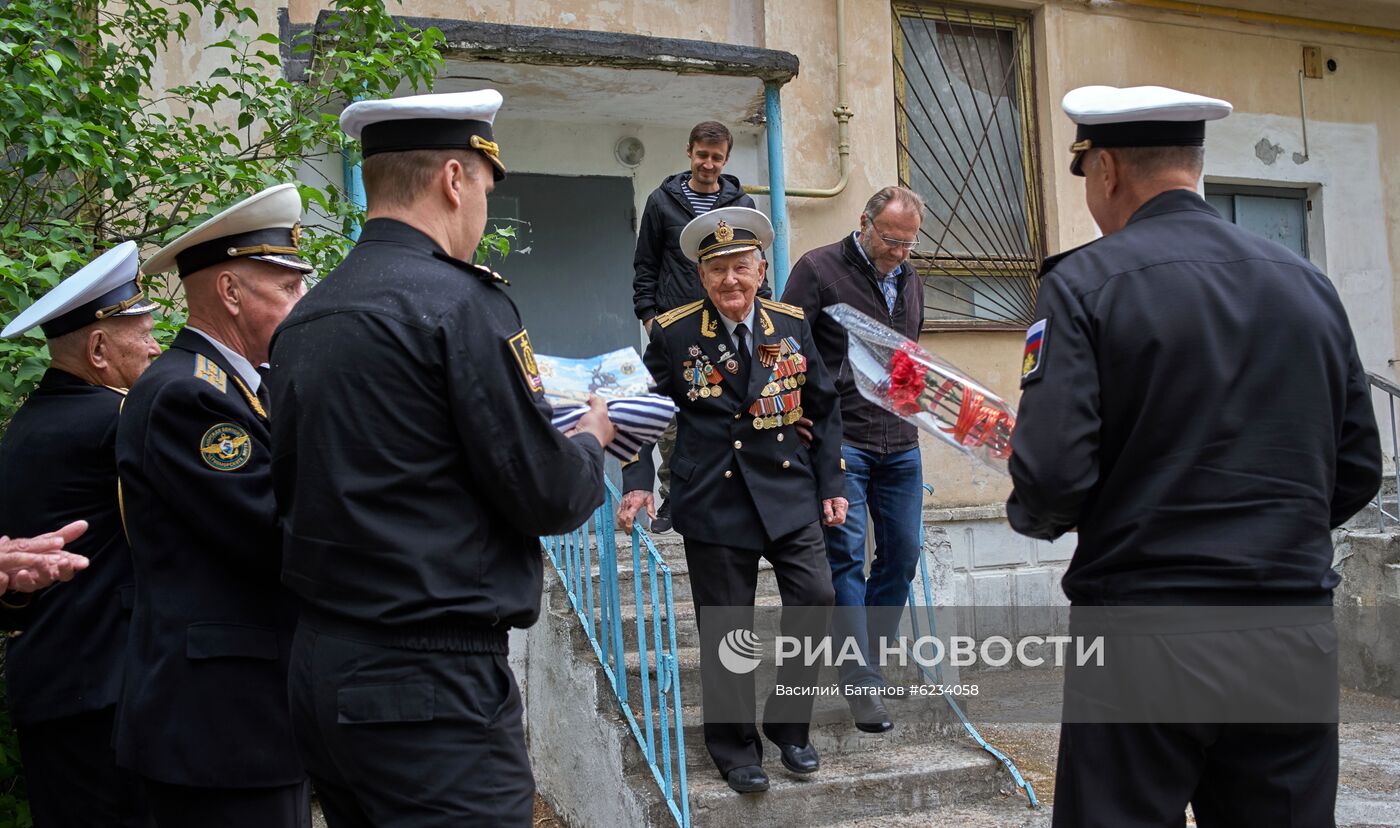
[{"x": 966, "y": 132}]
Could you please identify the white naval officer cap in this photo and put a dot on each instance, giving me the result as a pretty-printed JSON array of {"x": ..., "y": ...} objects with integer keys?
[
  {"x": 108, "y": 286},
  {"x": 450, "y": 120},
  {"x": 265, "y": 226},
  {"x": 725, "y": 231},
  {"x": 1138, "y": 116}
]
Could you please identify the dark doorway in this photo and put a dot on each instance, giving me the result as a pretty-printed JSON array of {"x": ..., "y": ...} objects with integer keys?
[{"x": 570, "y": 268}]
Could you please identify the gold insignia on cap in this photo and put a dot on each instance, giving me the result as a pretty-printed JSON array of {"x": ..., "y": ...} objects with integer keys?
[
  {"x": 125, "y": 304},
  {"x": 491, "y": 148},
  {"x": 296, "y": 235},
  {"x": 723, "y": 232},
  {"x": 1081, "y": 146}
]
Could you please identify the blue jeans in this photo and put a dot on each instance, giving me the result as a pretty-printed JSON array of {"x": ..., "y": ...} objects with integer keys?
[{"x": 890, "y": 487}]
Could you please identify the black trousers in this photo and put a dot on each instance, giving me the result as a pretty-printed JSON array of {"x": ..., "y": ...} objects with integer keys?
[
  {"x": 71, "y": 772},
  {"x": 395, "y": 737},
  {"x": 1234, "y": 775},
  {"x": 725, "y": 576},
  {"x": 182, "y": 806}
]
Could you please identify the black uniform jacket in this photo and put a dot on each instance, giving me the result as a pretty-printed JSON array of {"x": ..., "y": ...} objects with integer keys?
[
  {"x": 663, "y": 278},
  {"x": 733, "y": 484},
  {"x": 1197, "y": 409},
  {"x": 58, "y": 464},
  {"x": 415, "y": 463},
  {"x": 205, "y": 699},
  {"x": 840, "y": 273}
]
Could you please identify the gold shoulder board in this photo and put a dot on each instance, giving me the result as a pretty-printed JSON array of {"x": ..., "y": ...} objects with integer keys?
[
  {"x": 210, "y": 373},
  {"x": 783, "y": 307},
  {"x": 683, "y": 311}
]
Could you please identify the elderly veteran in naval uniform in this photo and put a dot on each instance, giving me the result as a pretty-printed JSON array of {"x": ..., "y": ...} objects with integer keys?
[
  {"x": 203, "y": 716},
  {"x": 743, "y": 371},
  {"x": 58, "y": 464},
  {"x": 1192, "y": 401}
]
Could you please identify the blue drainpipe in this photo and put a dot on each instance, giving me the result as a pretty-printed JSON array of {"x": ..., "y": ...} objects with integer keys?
[
  {"x": 777, "y": 187},
  {"x": 354, "y": 183},
  {"x": 354, "y": 188}
]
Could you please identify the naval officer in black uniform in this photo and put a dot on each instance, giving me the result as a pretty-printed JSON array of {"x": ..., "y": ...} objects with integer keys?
[
  {"x": 743, "y": 371},
  {"x": 416, "y": 468},
  {"x": 58, "y": 464},
  {"x": 203, "y": 715},
  {"x": 1192, "y": 402}
]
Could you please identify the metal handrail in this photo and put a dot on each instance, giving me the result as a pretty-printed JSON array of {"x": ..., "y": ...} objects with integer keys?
[
  {"x": 926, "y": 609},
  {"x": 600, "y": 612},
  {"x": 1392, "y": 392}
]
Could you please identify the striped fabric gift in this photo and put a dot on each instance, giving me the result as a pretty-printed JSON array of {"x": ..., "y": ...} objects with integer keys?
[{"x": 639, "y": 421}]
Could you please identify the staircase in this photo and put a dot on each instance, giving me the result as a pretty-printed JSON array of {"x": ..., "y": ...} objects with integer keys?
[{"x": 600, "y": 761}]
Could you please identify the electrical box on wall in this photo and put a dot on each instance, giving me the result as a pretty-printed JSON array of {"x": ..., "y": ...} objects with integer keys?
[{"x": 1312, "y": 62}]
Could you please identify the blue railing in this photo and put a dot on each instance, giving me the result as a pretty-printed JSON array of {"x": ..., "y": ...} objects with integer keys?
[
  {"x": 925, "y": 611},
  {"x": 588, "y": 565}
]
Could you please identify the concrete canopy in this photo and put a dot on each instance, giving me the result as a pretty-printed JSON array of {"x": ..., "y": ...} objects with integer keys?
[{"x": 569, "y": 74}]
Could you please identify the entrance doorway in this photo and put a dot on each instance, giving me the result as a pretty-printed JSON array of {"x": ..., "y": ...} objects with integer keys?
[{"x": 570, "y": 266}]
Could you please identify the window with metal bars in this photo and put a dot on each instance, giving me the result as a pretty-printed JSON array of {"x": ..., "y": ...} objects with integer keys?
[{"x": 965, "y": 125}]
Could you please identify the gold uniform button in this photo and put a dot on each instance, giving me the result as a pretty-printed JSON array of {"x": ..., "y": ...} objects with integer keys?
[
  {"x": 786, "y": 464},
  {"x": 728, "y": 473},
  {"x": 738, "y": 444},
  {"x": 780, "y": 438}
]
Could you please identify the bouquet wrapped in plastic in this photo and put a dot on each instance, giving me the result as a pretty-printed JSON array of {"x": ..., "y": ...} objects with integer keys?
[{"x": 901, "y": 377}]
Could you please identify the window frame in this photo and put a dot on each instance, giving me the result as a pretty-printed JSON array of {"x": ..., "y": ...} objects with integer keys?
[
  {"x": 1299, "y": 193},
  {"x": 1020, "y": 24}
]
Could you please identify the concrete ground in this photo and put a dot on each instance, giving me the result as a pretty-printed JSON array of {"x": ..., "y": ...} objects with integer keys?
[{"x": 1368, "y": 793}]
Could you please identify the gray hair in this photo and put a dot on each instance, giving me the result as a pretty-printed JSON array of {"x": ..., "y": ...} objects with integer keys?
[
  {"x": 899, "y": 195},
  {"x": 1148, "y": 162}
]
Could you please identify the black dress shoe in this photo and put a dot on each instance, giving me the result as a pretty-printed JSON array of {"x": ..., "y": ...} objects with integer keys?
[
  {"x": 662, "y": 521},
  {"x": 799, "y": 759},
  {"x": 747, "y": 779},
  {"x": 870, "y": 714}
]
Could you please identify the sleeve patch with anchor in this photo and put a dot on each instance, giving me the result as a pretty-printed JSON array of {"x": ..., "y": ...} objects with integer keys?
[{"x": 525, "y": 358}]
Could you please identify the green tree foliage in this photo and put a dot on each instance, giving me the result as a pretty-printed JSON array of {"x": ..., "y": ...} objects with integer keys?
[{"x": 94, "y": 150}]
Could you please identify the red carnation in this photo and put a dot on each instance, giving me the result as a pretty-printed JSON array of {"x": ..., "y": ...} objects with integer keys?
[{"x": 907, "y": 380}]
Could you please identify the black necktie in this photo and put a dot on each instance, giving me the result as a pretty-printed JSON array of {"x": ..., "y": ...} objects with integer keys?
[
  {"x": 741, "y": 340},
  {"x": 264, "y": 396}
]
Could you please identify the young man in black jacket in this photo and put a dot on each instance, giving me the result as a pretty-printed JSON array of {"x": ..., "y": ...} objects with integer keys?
[{"x": 664, "y": 278}]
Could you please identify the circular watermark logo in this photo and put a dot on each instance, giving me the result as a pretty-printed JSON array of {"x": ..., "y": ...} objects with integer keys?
[{"x": 740, "y": 651}]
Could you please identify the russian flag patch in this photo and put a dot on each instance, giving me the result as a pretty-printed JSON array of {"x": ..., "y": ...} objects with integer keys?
[{"x": 1033, "y": 358}]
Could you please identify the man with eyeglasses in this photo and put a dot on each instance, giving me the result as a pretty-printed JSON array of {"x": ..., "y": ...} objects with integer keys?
[{"x": 870, "y": 270}]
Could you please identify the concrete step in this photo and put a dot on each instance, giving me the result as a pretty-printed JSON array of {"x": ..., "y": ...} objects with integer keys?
[
  {"x": 1005, "y": 810},
  {"x": 938, "y": 774},
  {"x": 687, "y": 633},
  {"x": 834, "y": 733},
  {"x": 688, "y": 660}
]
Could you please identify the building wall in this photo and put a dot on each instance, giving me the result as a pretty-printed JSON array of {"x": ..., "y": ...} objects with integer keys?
[{"x": 1353, "y": 115}]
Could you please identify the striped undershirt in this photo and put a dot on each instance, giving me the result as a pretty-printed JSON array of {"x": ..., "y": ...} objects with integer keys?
[{"x": 701, "y": 203}]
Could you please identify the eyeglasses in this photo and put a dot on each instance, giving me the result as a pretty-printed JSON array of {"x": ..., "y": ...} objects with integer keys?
[
  {"x": 906, "y": 245},
  {"x": 902, "y": 244}
]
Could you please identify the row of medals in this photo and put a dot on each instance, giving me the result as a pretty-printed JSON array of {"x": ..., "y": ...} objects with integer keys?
[
  {"x": 789, "y": 372},
  {"x": 705, "y": 383}
]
